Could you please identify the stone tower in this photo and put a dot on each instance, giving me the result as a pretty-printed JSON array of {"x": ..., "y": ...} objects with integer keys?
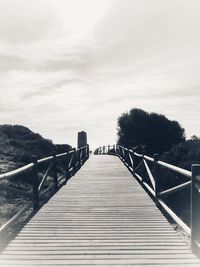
[{"x": 82, "y": 139}]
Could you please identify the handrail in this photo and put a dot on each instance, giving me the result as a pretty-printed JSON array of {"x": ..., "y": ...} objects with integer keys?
[
  {"x": 164, "y": 164},
  {"x": 64, "y": 160},
  {"x": 176, "y": 169},
  {"x": 146, "y": 157},
  {"x": 29, "y": 166},
  {"x": 135, "y": 162},
  {"x": 15, "y": 172},
  {"x": 45, "y": 159}
]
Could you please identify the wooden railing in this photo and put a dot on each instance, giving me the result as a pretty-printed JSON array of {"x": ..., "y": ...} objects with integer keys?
[
  {"x": 145, "y": 169},
  {"x": 47, "y": 176}
]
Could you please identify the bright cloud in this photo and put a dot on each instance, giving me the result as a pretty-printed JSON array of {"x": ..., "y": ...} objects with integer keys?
[{"x": 77, "y": 65}]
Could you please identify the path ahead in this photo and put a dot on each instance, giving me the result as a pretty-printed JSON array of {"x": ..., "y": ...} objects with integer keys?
[{"x": 101, "y": 217}]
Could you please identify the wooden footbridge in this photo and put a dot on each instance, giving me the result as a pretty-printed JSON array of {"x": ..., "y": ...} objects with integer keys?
[{"x": 104, "y": 217}]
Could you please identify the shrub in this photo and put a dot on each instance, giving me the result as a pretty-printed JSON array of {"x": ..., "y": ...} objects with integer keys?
[{"x": 150, "y": 130}]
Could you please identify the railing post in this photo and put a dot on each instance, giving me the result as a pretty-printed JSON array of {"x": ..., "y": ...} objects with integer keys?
[
  {"x": 127, "y": 160},
  {"x": 127, "y": 157},
  {"x": 55, "y": 175},
  {"x": 130, "y": 159},
  {"x": 88, "y": 152},
  {"x": 155, "y": 174},
  {"x": 195, "y": 209},
  {"x": 35, "y": 183},
  {"x": 74, "y": 161},
  {"x": 143, "y": 169},
  {"x": 142, "y": 151},
  {"x": 134, "y": 158},
  {"x": 85, "y": 153},
  {"x": 123, "y": 153},
  {"x": 79, "y": 157},
  {"x": 67, "y": 173}
]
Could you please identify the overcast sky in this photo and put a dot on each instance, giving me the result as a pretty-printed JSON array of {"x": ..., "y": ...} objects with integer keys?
[{"x": 72, "y": 65}]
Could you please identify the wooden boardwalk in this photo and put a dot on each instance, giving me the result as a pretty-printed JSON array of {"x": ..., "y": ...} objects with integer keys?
[{"x": 102, "y": 217}]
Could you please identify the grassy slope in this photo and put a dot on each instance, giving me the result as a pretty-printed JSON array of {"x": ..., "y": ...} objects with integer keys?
[{"x": 17, "y": 146}]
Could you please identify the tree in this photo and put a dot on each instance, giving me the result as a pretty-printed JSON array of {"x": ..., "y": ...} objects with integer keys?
[
  {"x": 185, "y": 154},
  {"x": 150, "y": 130}
]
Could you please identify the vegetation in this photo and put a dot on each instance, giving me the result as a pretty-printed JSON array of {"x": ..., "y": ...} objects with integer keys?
[
  {"x": 152, "y": 131},
  {"x": 185, "y": 154},
  {"x": 18, "y": 144}
]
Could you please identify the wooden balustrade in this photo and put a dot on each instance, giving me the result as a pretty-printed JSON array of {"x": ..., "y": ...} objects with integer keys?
[
  {"x": 59, "y": 168},
  {"x": 142, "y": 169}
]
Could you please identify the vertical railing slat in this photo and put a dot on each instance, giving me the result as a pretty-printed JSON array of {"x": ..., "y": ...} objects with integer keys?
[
  {"x": 155, "y": 174},
  {"x": 55, "y": 173},
  {"x": 195, "y": 209},
  {"x": 35, "y": 183}
]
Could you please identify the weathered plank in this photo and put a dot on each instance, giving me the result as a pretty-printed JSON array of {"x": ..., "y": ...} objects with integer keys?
[{"x": 102, "y": 217}]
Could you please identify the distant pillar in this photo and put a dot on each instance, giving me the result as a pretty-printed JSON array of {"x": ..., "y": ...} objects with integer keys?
[
  {"x": 82, "y": 139},
  {"x": 195, "y": 207}
]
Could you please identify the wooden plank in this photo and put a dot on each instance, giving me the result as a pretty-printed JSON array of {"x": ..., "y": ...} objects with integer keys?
[
  {"x": 93, "y": 256},
  {"x": 138, "y": 253},
  {"x": 102, "y": 217},
  {"x": 92, "y": 261},
  {"x": 104, "y": 265}
]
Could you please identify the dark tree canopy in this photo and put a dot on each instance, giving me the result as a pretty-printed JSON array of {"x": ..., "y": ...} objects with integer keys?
[
  {"x": 185, "y": 154},
  {"x": 150, "y": 130}
]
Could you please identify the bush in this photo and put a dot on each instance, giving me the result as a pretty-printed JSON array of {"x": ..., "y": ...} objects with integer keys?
[
  {"x": 19, "y": 144},
  {"x": 150, "y": 130},
  {"x": 185, "y": 154}
]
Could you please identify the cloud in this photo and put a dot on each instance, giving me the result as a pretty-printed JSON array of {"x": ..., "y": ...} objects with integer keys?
[
  {"x": 53, "y": 87},
  {"x": 70, "y": 75},
  {"x": 136, "y": 30},
  {"x": 55, "y": 55},
  {"x": 25, "y": 21}
]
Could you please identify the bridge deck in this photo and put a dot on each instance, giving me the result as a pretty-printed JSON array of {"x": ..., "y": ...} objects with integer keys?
[{"x": 101, "y": 217}]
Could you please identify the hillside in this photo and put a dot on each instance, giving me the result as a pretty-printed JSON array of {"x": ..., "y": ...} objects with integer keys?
[{"x": 18, "y": 144}]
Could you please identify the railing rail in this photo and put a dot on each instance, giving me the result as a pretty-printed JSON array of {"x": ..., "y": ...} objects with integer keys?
[
  {"x": 57, "y": 170},
  {"x": 136, "y": 162}
]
